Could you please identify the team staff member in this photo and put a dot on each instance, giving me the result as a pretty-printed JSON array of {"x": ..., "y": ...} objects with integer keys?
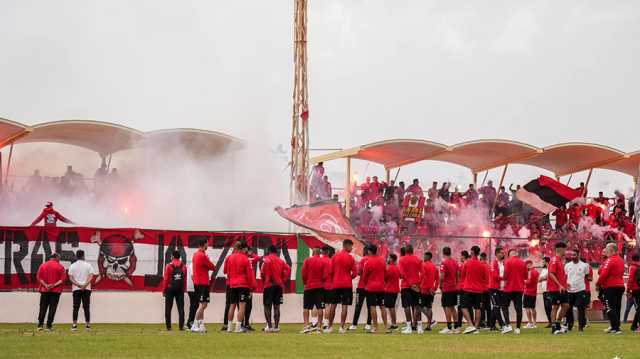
[
  {"x": 313, "y": 278},
  {"x": 557, "y": 287},
  {"x": 612, "y": 283},
  {"x": 174, "y": 285},
  {"x": 391, "y": 290},
  {"x": 449, "y": 275},
  {"x": 577, "y": 272},
  {"x": 515, "y": 274},
  {"x": 546, "y": 296},
  {"x": 81, "y": 275},
  {"x": 275, "y": 275},
  {"x": 474, "y": 276},
  {"x": 51, "y": 276},
  {"x": 242, "y": 281},
  {"x": 530, "y": 295},
  {"x": 430, "y": 278},
  {"x": 201, "y": 267},
  {"x": 633, "y": 288},
  {"x": 343, "y": 270},
  {"x": 361, "y": 295},
  {"x": 496, "y": 285},
  {"x": 410, "y": 267},
  {"x": 373, "y": 275}
]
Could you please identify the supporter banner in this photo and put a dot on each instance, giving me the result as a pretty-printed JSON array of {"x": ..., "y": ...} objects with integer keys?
[
  {"x": 128, "y": 259},
  {"x": 412, "y": 207},
  {"x": 326, "y": 220}
]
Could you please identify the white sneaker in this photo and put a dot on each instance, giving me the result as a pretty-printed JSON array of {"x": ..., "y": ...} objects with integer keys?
[
  {"x": 433, "y": 323},
  {"x": 306, "y": 330},
  {"x": 230, "y": 328},
  {"x": 406, "y": 330},
  {"x": 327, "y": 330},
  {"x": 275, "y": 330},
  {"x": 470, "y": 329},
  {"x": 455, "y": 331},
  {"x": 353, "y": 327},
  {"x": 342, "y": 330},
  {"x": 607, "y": 330},
  {"x": 420, "y": 329},
  {"x": 266, "y": 330},
  {"x": 367, "y": 328},
  {"x": 516, "y": 331},
  {"x": 445, "y": 331},
  {"x": 507, "y": 329}
]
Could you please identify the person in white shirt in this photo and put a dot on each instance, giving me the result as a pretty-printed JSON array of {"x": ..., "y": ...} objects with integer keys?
[
  {"x": 576, "y": 272},
  {"x": 193, "y": 299},
  {"x": 81, "y": 275}
]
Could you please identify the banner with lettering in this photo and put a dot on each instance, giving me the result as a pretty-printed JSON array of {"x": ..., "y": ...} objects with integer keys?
[{"x": 130, "y": 259}]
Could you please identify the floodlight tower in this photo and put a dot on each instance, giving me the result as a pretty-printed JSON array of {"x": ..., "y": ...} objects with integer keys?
[{"x": 300, "y": 116}]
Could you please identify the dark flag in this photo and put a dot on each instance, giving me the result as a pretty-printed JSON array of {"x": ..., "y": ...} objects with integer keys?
[{"x": 546, "y": 194}]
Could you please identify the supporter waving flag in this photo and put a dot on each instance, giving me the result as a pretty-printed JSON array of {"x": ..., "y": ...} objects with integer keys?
[{"x": 546, "y": 194}]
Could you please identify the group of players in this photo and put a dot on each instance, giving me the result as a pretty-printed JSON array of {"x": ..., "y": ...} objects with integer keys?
[{"x": 472, "y": 289}]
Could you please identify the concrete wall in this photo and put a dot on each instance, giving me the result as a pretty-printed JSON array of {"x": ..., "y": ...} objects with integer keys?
[{"x": 148, "y": 307}]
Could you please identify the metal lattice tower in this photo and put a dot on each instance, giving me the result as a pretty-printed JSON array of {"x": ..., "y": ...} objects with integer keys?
[{"x": 300, "y": 117}]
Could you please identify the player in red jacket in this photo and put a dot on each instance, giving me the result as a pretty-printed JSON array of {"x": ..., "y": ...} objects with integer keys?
[
  {"x": 633, "y": 289},
  {"x": 373, "y": 275},
  {"x": 449, "y": 277},
  {"x": 343, "y": 270},
  {"x": 313, "y": 278},
  {"x": 515, "y": 274},
  {"x": 531, "y": 294},
  {"x": 201, "y": 267},
  {"x": 474, "y": 277},
  {"x": 50, "y": 217},
  {"x": 410, "y": 266},
  {"x": 275, "y": 276},
  {"x": 391, "y": 289},
  {"x": 611, "y": 283},
  {"x": 430, "y": 279},
  {"x": 242, "y": 281},
  {"x": 557, "y": 288},
  {"x": 51, "y": 276}
]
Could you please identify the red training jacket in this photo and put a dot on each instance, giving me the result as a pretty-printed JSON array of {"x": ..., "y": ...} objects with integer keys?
[
  {"x": 168, "y": 270},
  {"x": 612, "y": 273},
  {"x": 240, "y": 272},
  {"x": 343, "y": 270},
  {"x": 632, "y": 284},
  {"x": 373, "y": 274},
  {"x": 392, "y": 279},
  {"x": 449, "y": 273},
  {"x": 430, "y": 278},
  {"x": 474, "y": 276},
  {"x": 275, "y": 271},
  {"x": 531, "y": 284},
  {"x": 556, "y": 266},
  {"x": 495, "y": 279},
  {"x": 50, "y": 272},
  {"x": 201, "y": 267},
  {"x": 410, "y": 267},
  {"x": 361, "y": 264},
  {"x": 313, "y": 272},
  {"x": 515, "y": 273}
]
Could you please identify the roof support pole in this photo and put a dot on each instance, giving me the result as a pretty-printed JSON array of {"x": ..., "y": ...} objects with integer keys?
[
  {"x": 586, "y": 185},
  {"x": 387, "y": 175},
  {"x": 484, "y": 179},
  {"x": 495, "y": 200},
  {"x": 6, "y": 173},
  {"x": 569, "y": 180},
  {"x": 347, "y": 190},
  {"x": 475, "y": 179},
  {"x": 0, "y": 172}
]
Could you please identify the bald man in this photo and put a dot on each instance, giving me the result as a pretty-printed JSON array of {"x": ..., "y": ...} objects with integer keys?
[{"x": 611, "y": 283}]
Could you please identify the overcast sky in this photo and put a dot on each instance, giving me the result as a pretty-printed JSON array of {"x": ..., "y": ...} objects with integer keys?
[{"x": 541, "y": 72}]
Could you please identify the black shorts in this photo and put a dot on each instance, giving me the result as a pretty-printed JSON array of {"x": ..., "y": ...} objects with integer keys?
[
  {"x": 449, "y": 299},
  {"x": 409, "y": 298},
  {"x": 343, "y": 296},
  {"x": 328, "y": 296},
  {"x": 390, "y": 300},
  {"x": 202, "y": 293},
  {"x": 529, "y": 301},
  {"x": 579, "y": 299},
  {"x": 426, "y": 300},
  {"x": 375, "y": 299},
  {"x": 509, "y": 297},
  {"x": 313, "y": 298},
  {"x": 558, "y": 298},
  {"x": 239, "y": 295},
  {"x": 471, "y": 300},
  {"x": 272, "y": 295}
]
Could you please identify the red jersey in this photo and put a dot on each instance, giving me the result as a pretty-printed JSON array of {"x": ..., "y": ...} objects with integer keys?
[
  {"x": 410, "y": 267},
  {"x": 487, "y": 269},
  {"x": 201, "y": 267},
  {"x": 51, "y": 218},
  {"x": 430, "y": 278},
  {"x": 51, "y": 272},
  {"x": 313, "y": 272},
  {"x": 168, "y": 272},
  {"x": 361, "y": 264},
  {"x": 515, "y": 273},
  {"x": 274, "y": 271},
  {"x": 561, "y": 217},
  {"x": 343, "y": 270},
  {"x": 632, "y": 284},
  {"x": 587, "y": 282},
  {"x": 612, "y": 272},
  {"x": 474, "y": 274},
  {"x": 495, "y": 278},
  {"x": 449, "y": 274},
  {"x": 240, "y": 272},
  {"x": 392, "y": 279},
  {"x": 373, "y": 274},
  {"x": 531, "y": 284},
  {"x": 556, "y": 266}
]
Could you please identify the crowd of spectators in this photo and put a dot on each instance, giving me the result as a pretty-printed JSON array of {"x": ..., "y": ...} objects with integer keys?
[{"x": 385, "y": 214}]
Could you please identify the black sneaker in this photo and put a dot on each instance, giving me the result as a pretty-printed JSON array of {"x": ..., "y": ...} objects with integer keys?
[
  {"x": 87, "y": 327},
  {"x": 249, "y": 328},
  {"x": 74, "y": 327},
  {"x": 393, "y": 327},
  {"x": 168, "y": 329},
  {"x": 224, "y": 328},
  {"x": 39, "y": 328}
]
